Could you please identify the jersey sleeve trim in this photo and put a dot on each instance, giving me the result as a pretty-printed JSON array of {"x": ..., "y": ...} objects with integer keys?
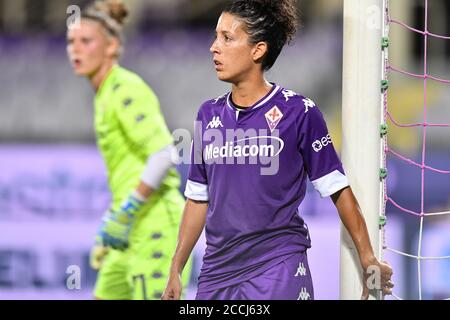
[
  {"x": 196, "y": 191},
  {"x": 330, "y": 183}
]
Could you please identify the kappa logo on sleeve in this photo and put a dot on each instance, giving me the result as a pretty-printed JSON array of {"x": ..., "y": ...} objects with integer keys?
[
  {"x": 127, "y": 102},
  {"x": 139, "y": 118},
  {"x": 288, "y": 94},
  {"x": 308, "y": 104}
]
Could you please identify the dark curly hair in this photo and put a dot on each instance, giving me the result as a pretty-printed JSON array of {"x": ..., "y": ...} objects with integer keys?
[{"x": 272, "y": 21}]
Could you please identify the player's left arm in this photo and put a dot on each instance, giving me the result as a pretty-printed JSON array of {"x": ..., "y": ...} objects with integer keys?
[
  {"x": 327, "y": 175},
  {"x": 353, "y": 220}
]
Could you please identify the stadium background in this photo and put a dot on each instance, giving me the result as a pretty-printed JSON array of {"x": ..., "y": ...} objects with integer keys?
[{"x": 52, "y": 180}]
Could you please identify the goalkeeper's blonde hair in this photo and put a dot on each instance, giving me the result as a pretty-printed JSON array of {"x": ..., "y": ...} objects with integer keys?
[{"x": 111, "y": 15}]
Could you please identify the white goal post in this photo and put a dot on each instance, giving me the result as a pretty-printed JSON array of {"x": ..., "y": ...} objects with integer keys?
[{"x": 361, "y": 119}]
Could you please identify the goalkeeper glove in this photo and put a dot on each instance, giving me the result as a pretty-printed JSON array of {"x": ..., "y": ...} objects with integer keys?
[
  {"x": 116, "y": 225},
  {"x": 97, "y": 256}
]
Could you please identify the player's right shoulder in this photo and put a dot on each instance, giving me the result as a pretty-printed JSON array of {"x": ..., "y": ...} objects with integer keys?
[
  {"x": 129, "y": 88},
  {"x": 131, "y": 83},
  {"x": 212, "y": 104}
]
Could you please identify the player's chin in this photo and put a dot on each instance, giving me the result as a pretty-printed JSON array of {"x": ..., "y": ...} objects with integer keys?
[
  {"x": 80, "y": 72},
  {"x": 222, "y": 76}
]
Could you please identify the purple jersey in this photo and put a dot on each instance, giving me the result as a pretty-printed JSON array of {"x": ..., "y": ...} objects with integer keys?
[{"x": 252, "y": 165}]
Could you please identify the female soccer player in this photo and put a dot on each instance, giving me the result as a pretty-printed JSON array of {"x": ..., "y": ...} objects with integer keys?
[
  {"x": 138, "y": 234},
  {"x": 256, "y": 240}
]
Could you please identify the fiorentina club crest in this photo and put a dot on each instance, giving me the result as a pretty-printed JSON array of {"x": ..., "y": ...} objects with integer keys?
[{"x": 273, "y": 118}]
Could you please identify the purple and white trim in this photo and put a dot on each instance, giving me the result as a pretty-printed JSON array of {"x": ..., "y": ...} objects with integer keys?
[
  {"x": 330, "y": 183},
  {"x": 196, "y": 191},
  {"x": 261, "y": 103}
]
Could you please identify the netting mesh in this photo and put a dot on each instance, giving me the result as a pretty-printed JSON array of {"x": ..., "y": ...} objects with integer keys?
[{"x": 389, "y": 119}]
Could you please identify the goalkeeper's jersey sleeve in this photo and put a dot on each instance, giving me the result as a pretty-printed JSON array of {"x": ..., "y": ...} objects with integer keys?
[{"x": 130, "y": 127}]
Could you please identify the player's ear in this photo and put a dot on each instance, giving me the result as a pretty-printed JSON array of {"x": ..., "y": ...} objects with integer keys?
[
  {"x": 259, "y": 51},
  {"x": 113, "y": 47}
]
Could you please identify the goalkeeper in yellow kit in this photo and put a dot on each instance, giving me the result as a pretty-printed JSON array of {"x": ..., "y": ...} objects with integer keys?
[{"x": 138, "y": 234}]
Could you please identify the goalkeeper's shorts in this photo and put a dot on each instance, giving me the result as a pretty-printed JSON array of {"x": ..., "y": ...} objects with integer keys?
[{"x": 141, "y": 271}]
